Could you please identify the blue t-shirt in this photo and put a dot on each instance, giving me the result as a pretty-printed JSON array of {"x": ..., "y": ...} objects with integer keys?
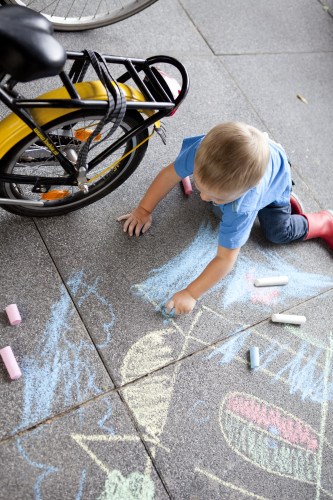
[{"x": 238, "y": 217}]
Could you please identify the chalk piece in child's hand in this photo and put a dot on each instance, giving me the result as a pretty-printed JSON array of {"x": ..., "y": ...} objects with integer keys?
[
  {"x": 254, "y": 357},
  {"x": 10, "y": 362},
  {"x": 13, "y": 314},
  {"x": 288, "y": 318},
  {"x": 271, "y": 281},
  {"x": 187, "y": 186},
  {"x": 167, "y": 314}
]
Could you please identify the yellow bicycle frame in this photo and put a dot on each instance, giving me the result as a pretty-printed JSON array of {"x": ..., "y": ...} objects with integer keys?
[{"x": 13, "y": 129}]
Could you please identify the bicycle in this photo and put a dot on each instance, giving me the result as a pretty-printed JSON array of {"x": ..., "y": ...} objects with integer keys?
[
  {"x": 54, "y": 150},
  {"x": 78, "y": 15}
]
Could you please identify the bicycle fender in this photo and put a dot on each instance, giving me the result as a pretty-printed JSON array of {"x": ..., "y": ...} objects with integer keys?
[{"x": 13, "y": 129}]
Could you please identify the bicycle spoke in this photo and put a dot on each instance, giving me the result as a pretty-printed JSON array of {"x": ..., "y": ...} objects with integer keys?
[{"x": 83, "y": 14}]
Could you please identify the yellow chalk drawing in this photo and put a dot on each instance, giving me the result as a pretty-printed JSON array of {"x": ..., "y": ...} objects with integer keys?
[
  {"x": 134, "y": 487},
  {"x": 147, "y": 354},
  {"x": 231, "y": 486},
  {"x": 150, "y": 398}
]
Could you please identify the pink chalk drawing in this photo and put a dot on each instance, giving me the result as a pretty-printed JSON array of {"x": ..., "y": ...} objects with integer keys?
[
  {"x": 264, "y": 296},
  {"x": 269, "y": 437},
  {"x": 265, "y": 415}
]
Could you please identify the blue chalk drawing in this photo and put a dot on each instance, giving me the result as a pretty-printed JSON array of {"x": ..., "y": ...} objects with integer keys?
[
  {"x": 229, "y": 349},
  {"x": 306, "y": 377},
  {"x": 238, "y": 286},
  {"x": 58, "y": 368},
  {"x": 47, "y": 469},
  {"x": 272, "y": 443},
  {"x": 272, "y": 352},
  {"x": 84, "y": 292},
  {"x": 103, "y": 421},
  {"x": 303, "y": 372},
  {"x": 179, "y": 271},
  {"x": 79, "y": 494},
  {"x": 197, "y": 412}
]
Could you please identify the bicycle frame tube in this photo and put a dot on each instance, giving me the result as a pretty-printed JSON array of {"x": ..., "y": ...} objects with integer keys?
[{"x": 21, "y": 113}]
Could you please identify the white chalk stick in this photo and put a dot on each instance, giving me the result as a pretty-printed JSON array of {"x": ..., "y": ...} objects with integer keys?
[
  {"x": 271, "y": 281},
  {"x": 254, "y": 357},
  {"x": 288, "y": 318}
]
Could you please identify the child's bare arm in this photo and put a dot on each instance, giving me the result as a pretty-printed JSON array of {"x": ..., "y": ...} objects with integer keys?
[
  {"x": 140, "y": 218},
  {"x": 184, "y": 301}
]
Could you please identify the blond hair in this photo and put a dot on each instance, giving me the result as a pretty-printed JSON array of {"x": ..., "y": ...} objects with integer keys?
[{"x": 232, "y": 157}]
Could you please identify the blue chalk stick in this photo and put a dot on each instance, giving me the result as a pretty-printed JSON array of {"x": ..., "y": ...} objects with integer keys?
[
  {"x": 254, "y": 357},
  {"x": 165, "y": 314}
]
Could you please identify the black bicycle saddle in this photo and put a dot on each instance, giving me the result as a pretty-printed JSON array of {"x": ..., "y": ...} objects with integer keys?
[{"x": 28, "y": 50}]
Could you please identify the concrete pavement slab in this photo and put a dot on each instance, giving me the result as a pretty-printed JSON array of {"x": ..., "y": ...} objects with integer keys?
[
  {"x": 92, "y": 452},
  {"x": 272, "y": 83},
  {"x": 59, "y": 363},
  {"x": 260, "y": 26},
  {"x": 224, "y": 431}
]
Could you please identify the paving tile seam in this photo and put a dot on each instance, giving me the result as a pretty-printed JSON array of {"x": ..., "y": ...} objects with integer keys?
[
  {"x": 88, "y": 402},
  {"x": 74, "y": 304},
  {"x": 196, "y": 27},
  {"x": 247, "y": 99},
  {"x": 143, "y": 441},
  {"x": 326, "y": 9},
  {"x": 284, "y": 52},
  {"x": 208, "y": 346}
]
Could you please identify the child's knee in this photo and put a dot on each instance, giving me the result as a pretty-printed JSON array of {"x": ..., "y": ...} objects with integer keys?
[{"x": 277, "y": 235}]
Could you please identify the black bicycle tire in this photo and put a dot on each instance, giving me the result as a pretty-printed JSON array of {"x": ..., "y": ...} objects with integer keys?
[
  {"x": 90, "y": 22},
  {"x": 131, "y": 118}
]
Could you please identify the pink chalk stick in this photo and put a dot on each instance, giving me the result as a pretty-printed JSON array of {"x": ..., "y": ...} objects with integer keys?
[
  {"x": 10, "y": 362},
  {"x": 13, "y": 314},
  {"x": 187, "y": 185}
]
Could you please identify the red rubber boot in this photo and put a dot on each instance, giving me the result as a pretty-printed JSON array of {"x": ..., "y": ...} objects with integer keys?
[
  {"x": 296, "y": 204},
  {"x": 320, "y": 226}
]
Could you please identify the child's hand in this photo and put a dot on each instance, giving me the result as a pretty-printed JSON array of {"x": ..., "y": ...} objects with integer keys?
[
  {"x": 182, "y": 302},
  {"x": 137, "y": 221}
]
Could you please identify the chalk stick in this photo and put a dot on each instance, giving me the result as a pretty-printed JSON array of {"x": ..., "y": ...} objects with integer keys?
[
  {"x": 167, "y": 314},
  {"x": 10, "y": 362},
  {"x": 288, "y": 318},
  {"x": 187, "y": 185},
  {"x": 254, "y": 357},
  {"x": 271, "y": 281},
  {"x": 13, "y": 314}
]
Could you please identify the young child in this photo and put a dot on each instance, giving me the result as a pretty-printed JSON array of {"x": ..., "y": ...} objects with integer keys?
[{"x": 245, "y": 174}]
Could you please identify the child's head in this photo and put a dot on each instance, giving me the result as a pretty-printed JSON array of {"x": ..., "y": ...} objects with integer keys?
[{"x": 230, "y": 160}]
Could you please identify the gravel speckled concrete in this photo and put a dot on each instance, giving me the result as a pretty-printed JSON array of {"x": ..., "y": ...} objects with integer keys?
[{"x": 117, "y": 401}]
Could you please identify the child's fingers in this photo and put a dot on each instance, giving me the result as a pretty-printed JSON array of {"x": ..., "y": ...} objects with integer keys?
[
  {"x": 146, "y": 226},
  {"x": 169, "y": 305},
  {"x": 123, "y": 217},
  {"x": 138, "y": 228},
  {"x": 131, "y": 226}
]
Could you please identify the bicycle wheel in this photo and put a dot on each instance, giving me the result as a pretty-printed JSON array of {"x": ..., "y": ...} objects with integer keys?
[
  {"x": 31, "y": 157},
  {"x": 76, "y": 15}
]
